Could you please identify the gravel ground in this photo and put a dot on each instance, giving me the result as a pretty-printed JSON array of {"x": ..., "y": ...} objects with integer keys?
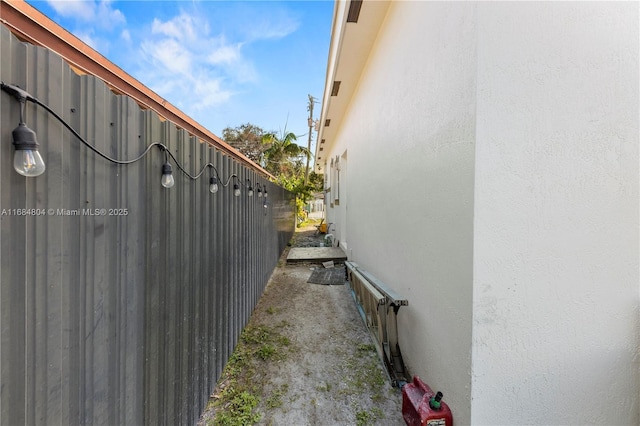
[{"x": 324, "y": 372}]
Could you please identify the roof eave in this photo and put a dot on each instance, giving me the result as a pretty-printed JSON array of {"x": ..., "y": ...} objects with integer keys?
[{"x": 351, "y": 43}]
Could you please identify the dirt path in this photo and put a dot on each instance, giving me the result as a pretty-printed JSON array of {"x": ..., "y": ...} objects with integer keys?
[{"x": 305, "y": 358}]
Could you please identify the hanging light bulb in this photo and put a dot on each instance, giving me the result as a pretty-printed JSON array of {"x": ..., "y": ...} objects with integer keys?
[
  {"x": 264, "y": 204},
  {"x": 236, "y": 189},
  {"x": 213, "y": 184},
  {"x": 250, "y": 191},
  {"x": 167, "y": 178},
  {"x": 266, "y": 194},
  {"x": 259, "y": 192},
  {"x": 27, "y": 160}
]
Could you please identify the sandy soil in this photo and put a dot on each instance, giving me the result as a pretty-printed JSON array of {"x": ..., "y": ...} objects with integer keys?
[{"x": 329, "y": 373}]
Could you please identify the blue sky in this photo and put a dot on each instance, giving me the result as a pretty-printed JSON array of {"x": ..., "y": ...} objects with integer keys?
[{"x": 224, "y": 63}]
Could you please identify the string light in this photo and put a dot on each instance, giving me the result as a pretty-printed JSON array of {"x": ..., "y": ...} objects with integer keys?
[
  {"x": 167, "y": 177},
  {"x": 27, "y": 159},
  {"x": 213, "y": 184},
  {"x": 29, "y": 162},
  {"x": 250, "y": 191}
]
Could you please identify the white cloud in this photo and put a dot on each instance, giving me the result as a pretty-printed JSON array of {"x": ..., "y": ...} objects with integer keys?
[
  {"x": 244, "y": 72},
  {"x": 275, "y": 24},
  {"x": 265, "y": 30},
  {"x": 93, "y": 19},
  {"x": 210, "y": 93},
  {"x": 96, "y": 12},
  {"x": 80, "y": 9},
  {"x": 125, "y": 35},
  {"x": 224, "y": 53},
  {"x": 109, "y": 17},
  {"x": 182, "y": 27},
  {"x": 169, "y": 54},
  {"x": 183, "y": 60}
]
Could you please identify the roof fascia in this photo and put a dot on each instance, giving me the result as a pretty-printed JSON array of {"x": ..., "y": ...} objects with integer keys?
[
  {"x": 346, "y": 66},
  {"x": 340, "y": 12}
]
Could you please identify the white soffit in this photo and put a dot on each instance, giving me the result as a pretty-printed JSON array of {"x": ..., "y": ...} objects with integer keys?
[{"x": 351, "y": 43}]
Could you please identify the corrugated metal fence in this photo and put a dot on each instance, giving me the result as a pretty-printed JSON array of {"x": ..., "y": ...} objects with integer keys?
[{"x": 119, "y": 319}]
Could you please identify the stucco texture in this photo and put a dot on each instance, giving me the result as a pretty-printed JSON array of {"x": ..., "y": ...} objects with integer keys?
[
  {"x": 409, "y": 206},
  {"x": 492, "y": 180},
  {"x": 556, "y": 214}
]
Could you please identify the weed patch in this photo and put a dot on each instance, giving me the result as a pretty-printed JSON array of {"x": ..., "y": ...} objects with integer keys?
[
  {"x": 363, "y": 373},
  {"x": 324, "y": 388},
  {"x": 275, "y": 399},
  {"x": 267, "y": 351},
  {"x": 366, "y": 348},
  {"x": 238, "y": 409},
  {"x": 237, "y": 402},
  {"x": 364, "y": 418}
]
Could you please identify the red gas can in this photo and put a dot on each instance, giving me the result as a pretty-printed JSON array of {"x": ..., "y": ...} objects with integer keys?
[{"x": 423, "y": 407}]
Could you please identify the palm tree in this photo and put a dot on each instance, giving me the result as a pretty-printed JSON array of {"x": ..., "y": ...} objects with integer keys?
[
  {"x": 283, "y": 154},
  {"x": 283, "y": 158}
]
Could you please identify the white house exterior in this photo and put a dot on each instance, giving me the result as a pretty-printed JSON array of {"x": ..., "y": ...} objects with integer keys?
[{"x": 481, "y": 159}]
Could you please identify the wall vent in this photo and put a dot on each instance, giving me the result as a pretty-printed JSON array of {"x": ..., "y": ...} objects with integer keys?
[
  {"x": 354, "y": 10},
  {"x": 327, "y": 122},
  {"x": 335, "y": 89}
]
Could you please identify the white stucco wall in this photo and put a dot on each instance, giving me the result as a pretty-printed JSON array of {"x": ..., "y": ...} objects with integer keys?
[
  {"x": 409, "y": 207},
  {"x": 492, "y": 179},
  {"x": 556, "y": 284}
]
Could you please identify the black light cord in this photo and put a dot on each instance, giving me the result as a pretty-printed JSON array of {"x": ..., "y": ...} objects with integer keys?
[
  {"x": 23, "y": 96},
  {"x": 194, "y": 177},
  {"x": 105, "y": 156}
]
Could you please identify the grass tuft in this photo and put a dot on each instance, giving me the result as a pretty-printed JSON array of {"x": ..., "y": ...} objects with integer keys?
[
  {"x": 238, "y": 409},
  {"x": 275, "y": 399},
  {"x": 239, "y": 398},
  {"x": 364, "y": 418}
]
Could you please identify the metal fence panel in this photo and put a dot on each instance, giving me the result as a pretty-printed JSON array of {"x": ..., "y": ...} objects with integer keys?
[{"x": 119, "y": 319}]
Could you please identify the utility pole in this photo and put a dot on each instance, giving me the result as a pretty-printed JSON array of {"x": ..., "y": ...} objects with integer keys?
[{"x": 310, "y": 122}]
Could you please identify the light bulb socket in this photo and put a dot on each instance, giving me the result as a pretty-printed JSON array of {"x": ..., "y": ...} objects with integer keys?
[
  {"x": 166, "y": 169},
  {"x": 24, "y": 138}
]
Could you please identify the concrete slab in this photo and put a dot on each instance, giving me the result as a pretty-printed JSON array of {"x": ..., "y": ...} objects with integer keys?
[{"x": 316, "y": 254}]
